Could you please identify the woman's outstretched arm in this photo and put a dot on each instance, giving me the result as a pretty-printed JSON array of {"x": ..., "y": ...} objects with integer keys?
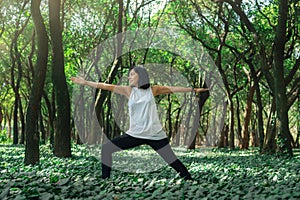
[
  {"x": 123, "y": 90},
  {"x": 157, "y": 90}
]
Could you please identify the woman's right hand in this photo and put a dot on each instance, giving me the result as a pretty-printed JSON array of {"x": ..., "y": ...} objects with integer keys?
[{"x": 78, "y": 80}]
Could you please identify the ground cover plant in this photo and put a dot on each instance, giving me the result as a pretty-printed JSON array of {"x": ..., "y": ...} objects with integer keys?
[{"x": 218, "y": 174}]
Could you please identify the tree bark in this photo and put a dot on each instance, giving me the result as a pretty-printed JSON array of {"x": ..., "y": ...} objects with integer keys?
[
  {"x": 239, "y": 125},
  {"x": 50, "y": 129},
  {"x": 231, "y": 127},
  {"x": 282, "y": 121},
  {"x": 223, "y": 141},
  {"x": 15, "y": 122},
  {"x": 42, "y": 129},
  {"x": 22, "y": 119},
  {"x": 32, "y": 153},
  {"x": 260, "y": 123},
  {"x": 62, "y": 139},
  {"x": 270, "y": 144},
  {"x": 247, "y": 118},
  {"x": 1, "y": 118},
  {"x": 201, "y": 101}
]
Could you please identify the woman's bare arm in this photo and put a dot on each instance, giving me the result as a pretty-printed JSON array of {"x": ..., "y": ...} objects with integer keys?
[
  {"x": 123, "y": 90},
  {"x": 157, "y": 90}
]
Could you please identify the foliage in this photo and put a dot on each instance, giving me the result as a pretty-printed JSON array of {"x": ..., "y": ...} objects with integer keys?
[
  {"x": 3, "y": 137},
  {"x": 218, "y": 174}
]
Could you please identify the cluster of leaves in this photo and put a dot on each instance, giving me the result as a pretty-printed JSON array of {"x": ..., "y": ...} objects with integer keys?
[{"x": 218, "y": 174}]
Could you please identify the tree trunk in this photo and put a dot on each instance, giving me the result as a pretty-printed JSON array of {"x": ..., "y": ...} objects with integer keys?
[
  {"x": 223, "y": 142},
  {"x": 52, "y": 123},
  {"x": 239, "y": 126},
  {"x": 50, "y": 116},
  {"x": 7, "y": 120},
  {"x": 188, "y": 133},
  {"x": 260, "y": 123},
  {"x": 32, "y": 153},
  {"x": 297, "y": 141},
  {"x": 282, "y": 121},
  {"x": 231, "y": 124},
  {"x": 1, "y": 118},
  {"x": 169, "y": 117},
  {"x": 62, "y": 139},
  {"x": 15, "y": 56},
  {"x": 42, "y": 129},
  {"x": 247, "y": 118},
  {"x": 177, "y": 127},
  {"x": 22, "y": 119},
  {"x": 270, "y": 144},
  {"x": 15, "y": 123},
  {"x": 201, "y": 101},
  {"x": 297, "y": 144}
]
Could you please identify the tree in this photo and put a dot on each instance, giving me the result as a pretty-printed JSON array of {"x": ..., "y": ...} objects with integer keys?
[
  {"x": 62, "y": 140},
  {"x": 16, "y": 48},
  {"x": 32, "y": 154},
  {"x": 282, "y": 120}
]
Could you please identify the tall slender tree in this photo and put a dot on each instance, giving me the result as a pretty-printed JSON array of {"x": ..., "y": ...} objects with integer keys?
[
  {"x": 32, "y": 154},
  {"x": 282, "y": 120},
  {"x": 62, "y": 139}
]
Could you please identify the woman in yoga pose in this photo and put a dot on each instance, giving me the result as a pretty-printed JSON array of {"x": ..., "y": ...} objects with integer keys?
[{"x": 145, "y": 127}]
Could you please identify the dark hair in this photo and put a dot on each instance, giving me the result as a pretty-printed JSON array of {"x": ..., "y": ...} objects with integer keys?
[{"x": 144, "y": 81}]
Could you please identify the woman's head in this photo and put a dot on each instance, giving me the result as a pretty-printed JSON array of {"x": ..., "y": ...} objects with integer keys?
[{"x": 138, "y": 77}]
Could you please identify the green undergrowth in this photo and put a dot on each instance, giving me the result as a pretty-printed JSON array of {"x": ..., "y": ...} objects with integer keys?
[{"x": 218, "y": 174}]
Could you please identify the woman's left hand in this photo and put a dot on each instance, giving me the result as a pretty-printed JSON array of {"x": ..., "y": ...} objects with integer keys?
[{"x": 78, "y": 80}]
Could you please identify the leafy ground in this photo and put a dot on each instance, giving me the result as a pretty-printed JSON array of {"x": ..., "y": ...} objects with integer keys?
[{"x": 218, "y": 174}]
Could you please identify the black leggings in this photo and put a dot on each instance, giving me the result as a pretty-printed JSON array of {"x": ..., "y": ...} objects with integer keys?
[{"x": 162, "y": 147}]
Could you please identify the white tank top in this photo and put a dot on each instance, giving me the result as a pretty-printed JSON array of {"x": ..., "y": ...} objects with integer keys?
[{"x": 144, "y": 121}]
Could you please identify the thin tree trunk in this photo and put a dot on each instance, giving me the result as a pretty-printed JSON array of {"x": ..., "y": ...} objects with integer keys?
[
  {"x": 169, "y": 117},
  {"x": 22, "y": 119},
  {"x": 50, "y": 115},
  {"x": 177, "y": 128},
  {"x": 270, "y": 144},
  {"x": 32, "y": 153},
  {"x": 1, "y": 118},
  {"x": 201, "y": 101},
  {"x": 231, "y": 124},
  {"x": 239, "y": 126},
  {"x": 52, "y": 128},
  {"x": 187, "y": 121},
  {"x": 62, "y": 139},
  {"x": 247, "y": 118},
  {"x": 42, "y": 129},
  {"x": 15, "y": 121},
  {"x": 297, "y": 141},
  {"x": 260, "y": 123},
  {"x": 7, "y": 118}
]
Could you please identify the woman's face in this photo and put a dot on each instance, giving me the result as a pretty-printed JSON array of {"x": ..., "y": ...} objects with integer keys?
[{"x": 133, "y": 78}]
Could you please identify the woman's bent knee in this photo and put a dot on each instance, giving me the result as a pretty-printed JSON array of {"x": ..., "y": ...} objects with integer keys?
[{"x": 109, "y": 147}]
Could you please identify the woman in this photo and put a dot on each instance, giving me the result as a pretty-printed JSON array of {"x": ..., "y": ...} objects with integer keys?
[{"x": 145, "y": 127}]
